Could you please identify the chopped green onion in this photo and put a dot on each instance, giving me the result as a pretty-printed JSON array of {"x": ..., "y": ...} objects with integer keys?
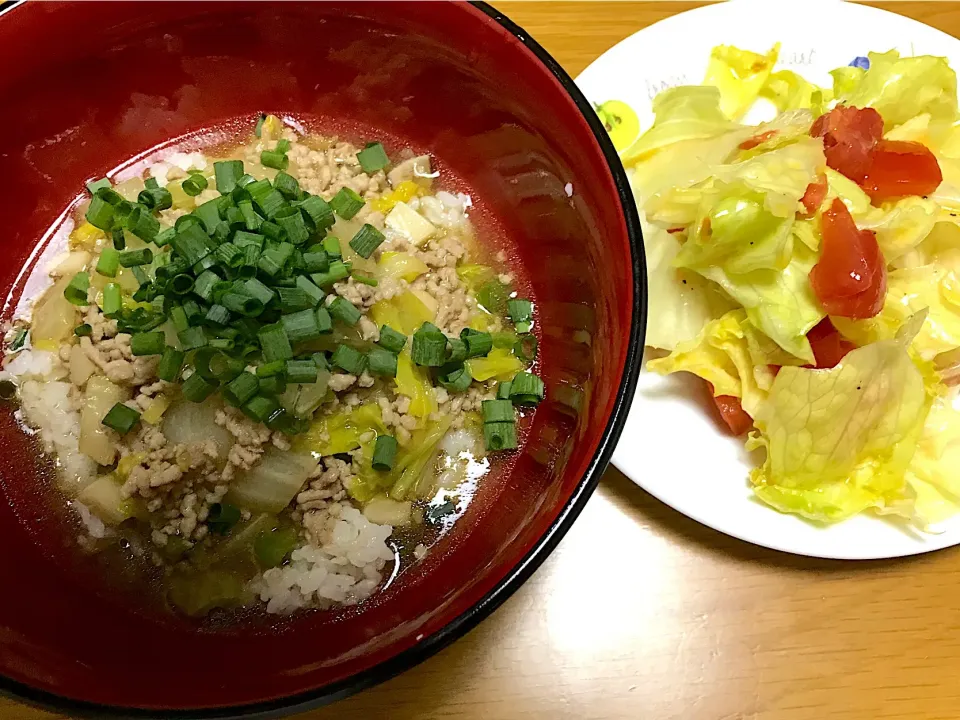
[
  {"x": 324, "y": 321},
  {"x": 454, "y": 377},
  {"x": 250, "y": 217},
  {"x": 274, "y": 343},
  {"x": 372, "y": 158},
  {"x": 222, "y": 517},
  {"x": 478, "y": 343},
  {"x": 283, "y": 145},
  {"x": 164, "y": 237},
  {"x": 320, "y": 360},
  {"x": 193, "y": 311},
  {"x": 243, "y": 239},
  {"x": 179, "y": 317},
  {"x": 500, "y": 435},
  {"x": 119, "y": 239},
  {"x": 338, "y": 271},
  {"x": 76, "y": 291},
  {"x": 319, "y": 211},
  {"x": 365, "y": 279},
  {"x": 100, "y": 214},
  {"x": 217, "y": 315},
  {"x": 227, "y": 172},
  {"x": 301, "y": 371},
  {"x": 277, "y": 367},
  {"x": 147, "y": 343},
  {"x": 259, "y": 408},
  {"x": 348, "y": 359},
  {"x": 382, "y": 362},
  {"x": 456, "y": 350},
  {"x": 498, "y": 411},
  {"x": 343, "y": 310},
  {"x": 391, "y": 340},
  {"x": 293, "y": 224},
  {"x": 316, "y": 261},
  {"x": 155, "y": 198},
  {"x": 331, "y": 246},
  {"x": 270, "y": 203},
  {"x": 287, "y": 185},
  {"x": 239, "y": 390},
  {"x": 301, "y": 326},
  {"x": 197, "y": 389},
  {"x": 272, "y": 547},
  {"x": 192, "y": 338},
  {"x": 171, "y": 362},
  {"x": 204, "y": 284},
  {"x": 526, "y": 389},
  {"x": 526, "y": 347},
  {"x": 242, "y": 304},
  {"x": 273, "y": 385},
  {"x": 293, "y": 299},
  {"x": 19, "y": 339},
  {"x": 80, "y": 331},
  {"x": 255, "y": 288},
  {"x": 521, "y": 312},
  {"x": 108, "y": 262},
  {"x": 121, "y": 418},
  {"x": 95, "y": 185},
  {"x": 229, "y": 255},
  {"x": 269, "y": 263},
  {"x": 209, "y": 214},
  {"x": 194, "y": 185},
  {"x": 258, "y": 128},
  {"x": 142, "y": 224},
  {"x": 191, "y": 242},
  {"x": 503, "y": 390},
  {"x": 346, "y": 203},
  {"x": 132, "y": 258},
  {"x": 112, "y": 302},
  {"x": 307, "y": 287},
  {"x": 429, "y": 346},
  {"x": 384, "y": 453},
  {"x": 367, "y": 239},
  {"x": 274, "y": 159}
]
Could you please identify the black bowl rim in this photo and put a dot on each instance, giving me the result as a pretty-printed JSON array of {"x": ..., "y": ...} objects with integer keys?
[{"x": 469, "y": 619}]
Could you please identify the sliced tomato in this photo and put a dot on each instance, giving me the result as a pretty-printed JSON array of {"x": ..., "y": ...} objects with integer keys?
[
  {"x": 733, "y": 414},
  {"x": 814, "y": 195},
  {"x": 849, "y": 135},
  {"x": 898, "y": 169},
  {"x": 829, "y": 347},
  {"x": 850, "y": 280},
  {"x": 760, "y": 139}
]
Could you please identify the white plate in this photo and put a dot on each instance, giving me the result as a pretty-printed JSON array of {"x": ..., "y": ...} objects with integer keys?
[{"x": 672, "y": 445}]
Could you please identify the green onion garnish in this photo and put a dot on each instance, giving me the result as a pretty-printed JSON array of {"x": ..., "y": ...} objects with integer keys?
[
  {"x": 365, "y": 279},
  {"x": 301, "y": 371},
  {"x": 498, "y": 411},
  {"x": 384, "y": 453},
  {"x": 100, "y": 214},
  {"x": 319, "y": 211},
  {"x": 478, "y": 343},
  {"x": 260, "y": 407},
  {"x": 239, "y": 390},
  {"x": 194, "y": 185},
  {"x": 217, "y": 315},
  {"x": 274, "y": 343},
  {"x": 171, "y": 363},
  {"x": 119, "y": 239},
  {"x": 95, "y": 185},
  {"x": 526, "y": 389},
  {"x": 391, "y": 340},
  {"x": 429, "y": 346},
  {"x": 112, "y": 301},
  {"x": 147, "y": 343},
  {"x": 348, "y": 359},
  {"x": 274, "y": 159},
  {"x": 227, "y": 172},
  {"x": 343, "y": 310},
  {"x": 382, "y": 362},
  {"x": 324, "y": 321},
  {"x": 273, "y": 385},
  {"x": 454, "y": 377},
  {"x": 456, "y": 350},
  {"x": 346, "y": 203},
  {"x": 76, "y": 291},
  {"x": 521, "y": 312},
  {"x": 293, "y": 224},
  {"x": 222, "y": 517},
  {"x": 373, "y": 157},
  {"x": 500, "y": 435},
  {"x": 287, "y": 185},
  {"x": 277, "y": 367},
  {"x": 301, "y": 326},
  {"x": 331, "y": 245},
  {"x": 526, "y": 347},
  {"x": 142, "y": 224},
  {"x": 197, "y": 389},
  {"x": 503, "y": 390},
  {"x": 367, "y": 239},
  {"x": 132, "y": 258},
  {"x": 192, "y": 338},
  {"x": 80, "y": 331},
  {"x": 258, "y": 128},
  {"x": 121, "y": 418},
  {"x": 109, "y": 262},
  {"x": 338, "y": 271}
]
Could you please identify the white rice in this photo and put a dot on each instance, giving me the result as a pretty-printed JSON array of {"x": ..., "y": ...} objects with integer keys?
[{"x": 345, "y": 570}]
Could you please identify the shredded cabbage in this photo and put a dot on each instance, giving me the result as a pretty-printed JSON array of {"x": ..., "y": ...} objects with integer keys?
[{"x": 739, "y": 75}]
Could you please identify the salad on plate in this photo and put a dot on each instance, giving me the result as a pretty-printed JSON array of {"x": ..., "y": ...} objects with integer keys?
[{"x": 808, "y": 269}]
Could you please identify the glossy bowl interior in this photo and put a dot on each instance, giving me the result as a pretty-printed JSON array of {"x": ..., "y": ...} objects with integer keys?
[{"x": 88, "y": 86}]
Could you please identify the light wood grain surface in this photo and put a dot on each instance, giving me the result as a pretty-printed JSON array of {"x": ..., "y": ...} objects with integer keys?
[{"x": 643, "y": 614}]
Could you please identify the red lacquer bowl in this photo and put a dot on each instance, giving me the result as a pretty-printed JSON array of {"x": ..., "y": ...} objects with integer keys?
[{"x": 87, "y": 86}]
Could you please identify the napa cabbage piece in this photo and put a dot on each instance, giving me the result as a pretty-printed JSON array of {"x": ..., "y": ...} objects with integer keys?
[
  {"x": 414, "y": 382},
  {"x": 909, "y": 291},
  {"x": 731, "y": 355},
  {"x": 781, "y": 303},
  {"x": 401, "y": 266},
  {"x": 681, "y": 301},
  {"x": 96, "y": 441},
  {"x": 273, "y": 482},
  {"x": 341, "y": 432},
  {"x": 405, "y": 312},
  {"x": 104, "y": 498},
  {"x": 901, "y": 88},
  {"x": 739, "y": 75},
  {"x": 689, "y": 112},
  {"x": 789, "y": 91},
  {"x": 499, "y": 364},
  {"x": 53, "y": 318},
  {"x": 839, "y": 441}
]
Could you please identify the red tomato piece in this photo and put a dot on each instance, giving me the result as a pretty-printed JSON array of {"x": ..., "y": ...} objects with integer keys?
[
  {"x": 849, "y": 135},
  {"x": 829, "y": 348},
  {"x": 850, "y": 280},
  {"x": 814, "y": 196},
  {"x": 898, "y": 169},
  {"x": 751, "y": 143},
  {"x": 733, "y": 414}
]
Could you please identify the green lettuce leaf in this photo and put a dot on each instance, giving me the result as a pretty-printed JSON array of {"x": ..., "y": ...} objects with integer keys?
[
  {"x": 941, "y": 247},
  {"x": 902, "y": 88},
  {"x": 932, "y": 475},
  {"x": 681, "y": 301},
  {"x": 689, "y": 112},
  {"x": 839, "y": 441},
  {"x": 779, "y": 303},
  {"x": 900, "y": 226},
  {"x": 788, "y": 91},
  {"x": 739, "y": 75}
]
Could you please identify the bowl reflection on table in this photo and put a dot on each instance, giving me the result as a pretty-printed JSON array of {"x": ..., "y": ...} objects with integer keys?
[{"x": 86, "y": 87}]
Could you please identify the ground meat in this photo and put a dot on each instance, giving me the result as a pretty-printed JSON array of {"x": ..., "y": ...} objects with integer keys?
[
  {"x": 365, "y": 380},
  {"x": 360, "y": 294},
  {"x": 339, "y": 382},
  {"x": 326, "y": 485},
  {"x": 250, "y": 438},
  {"x": 395, "y": 416},
  {"x": 368, "y": 329}
]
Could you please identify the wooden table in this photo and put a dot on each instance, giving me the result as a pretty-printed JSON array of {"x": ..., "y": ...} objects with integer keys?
[{"x": 644, "y": 614}]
